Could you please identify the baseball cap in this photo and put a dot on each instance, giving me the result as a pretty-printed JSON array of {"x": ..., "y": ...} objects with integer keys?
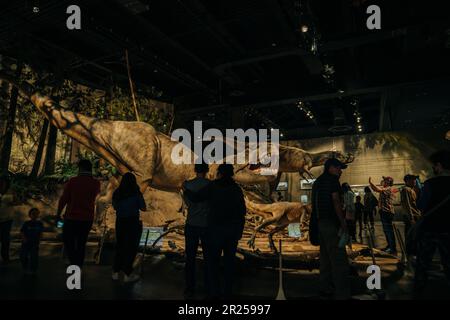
[
  {"x": 335, "y": 163},
  {"x": 410, "y": 177},
  {"x": 390, "y": 180}
]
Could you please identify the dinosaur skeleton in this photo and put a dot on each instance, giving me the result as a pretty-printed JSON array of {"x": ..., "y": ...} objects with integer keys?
[{"x": 280, "y": 214}]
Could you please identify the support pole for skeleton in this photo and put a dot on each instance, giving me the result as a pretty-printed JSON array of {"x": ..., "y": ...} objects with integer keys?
[
  {"x": 371, "y": 245},
  {"x": 403, "y": 259},
  {"x": 133, "y": 97},
  {"x": 280, "y": 295},
  {"x": 102, "y": 239}
]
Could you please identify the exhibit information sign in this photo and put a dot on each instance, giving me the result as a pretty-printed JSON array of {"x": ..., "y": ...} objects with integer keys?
[
  {"x": 294, "y": 230},
  {"x": 153, "y": 234}
]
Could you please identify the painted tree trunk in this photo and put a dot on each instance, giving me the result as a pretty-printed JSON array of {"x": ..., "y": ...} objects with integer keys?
[
  {"x": 51, "y": 151},
  {"x": 7, "y": 141},
  {"x": 74, "y": 151},
  {"x": 40, "y": 150}
]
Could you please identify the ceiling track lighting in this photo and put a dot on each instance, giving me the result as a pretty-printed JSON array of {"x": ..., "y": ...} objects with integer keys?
[
  {"x": 306, "y": 110},
  {"x": 358, "y": 117}
]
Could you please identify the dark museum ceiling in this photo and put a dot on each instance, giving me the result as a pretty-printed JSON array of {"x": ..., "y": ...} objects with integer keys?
[{"x": 216, "y": 58}]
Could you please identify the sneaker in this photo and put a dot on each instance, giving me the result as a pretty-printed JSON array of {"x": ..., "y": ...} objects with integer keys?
[
  {"x": 131, "y": 278},
  {"x": 115, "y": 276}
]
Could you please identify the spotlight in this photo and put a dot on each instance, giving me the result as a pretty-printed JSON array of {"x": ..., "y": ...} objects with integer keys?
[
  {"x": 34, "y": 4},
  {"x": 304, "y": 28}
]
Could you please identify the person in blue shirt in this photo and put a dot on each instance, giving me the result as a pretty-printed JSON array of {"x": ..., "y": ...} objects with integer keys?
[
  {"x": 31, "y": 235},
  {"x": 128, "y": 201}
]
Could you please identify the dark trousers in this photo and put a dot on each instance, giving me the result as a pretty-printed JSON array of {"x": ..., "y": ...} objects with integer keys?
[
  {"x": 334, "y": 266},
  {"x": 5, "y": 238},
  {"x": 29, "y": 256},
  {"x": 193, "y": 237},
  {"x": 75, "y": 235},
  {"x": 409, "y": 222},
  {"x": 359, "y": 222},
  {"x": 128, "y": 236},
  {"x": 351, "y": 225},
  {"x": 388, "y": 228},
  {"x": 223, "y": 239},
  {"x": 368, "y": 217},
  {"x": 426, "y": 247}
]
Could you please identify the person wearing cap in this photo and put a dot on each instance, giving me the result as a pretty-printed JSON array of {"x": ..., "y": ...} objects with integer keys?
[
  {"x": 387, "y": 212},
  {"x": 328, "y": 207},
  {"x": 409, "y": 202},
  {"x": 195, "y": 230}
]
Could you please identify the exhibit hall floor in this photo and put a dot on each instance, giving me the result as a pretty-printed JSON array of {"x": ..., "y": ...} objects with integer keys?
[{"x": 163, "y": 278}]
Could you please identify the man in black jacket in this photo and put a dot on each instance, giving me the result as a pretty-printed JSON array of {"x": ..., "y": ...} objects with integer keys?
[
  {"x": 434, "y": 232},
  {"x": 225, "y": 225}
]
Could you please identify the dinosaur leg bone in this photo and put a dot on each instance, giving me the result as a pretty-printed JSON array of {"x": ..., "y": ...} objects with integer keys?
[
  {"x": 265, "y": 223},
  {"x": 270, "y": 236}
]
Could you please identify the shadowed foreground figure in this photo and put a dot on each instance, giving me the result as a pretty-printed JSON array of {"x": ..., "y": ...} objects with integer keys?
[
  {"x": 196, "y": 230},
  {"x": 433, "y": 229},
  {"x": 78, "y": 198},
  {"x": 327, "y": 210},
  {"x": 127, "y": 201},
  {"x": 225, "y": 226}
]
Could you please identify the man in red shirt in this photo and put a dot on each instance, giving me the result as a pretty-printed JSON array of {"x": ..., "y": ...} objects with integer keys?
[{"x": 79, "y": 197}]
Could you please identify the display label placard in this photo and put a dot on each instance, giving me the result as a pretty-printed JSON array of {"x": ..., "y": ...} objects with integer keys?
[
  {"x": 153, "y": 234},
  {"x": 294, "y": 230}
]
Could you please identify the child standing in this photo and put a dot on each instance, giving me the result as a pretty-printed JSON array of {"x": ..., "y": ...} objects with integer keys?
[{"x": 31, "y": 234}]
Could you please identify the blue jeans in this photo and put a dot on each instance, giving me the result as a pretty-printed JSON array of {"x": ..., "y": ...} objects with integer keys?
[{"x": 386, "y": 220}]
